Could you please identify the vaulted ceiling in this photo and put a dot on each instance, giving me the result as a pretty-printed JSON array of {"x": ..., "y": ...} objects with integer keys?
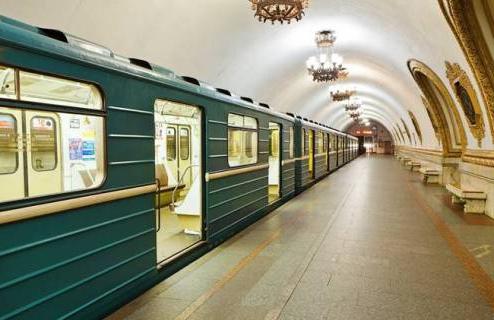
[{"x": 220, "y": 42}]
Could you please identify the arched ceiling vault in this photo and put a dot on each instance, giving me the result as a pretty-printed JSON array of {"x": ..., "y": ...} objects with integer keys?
[{"x": 220, "y": 42}]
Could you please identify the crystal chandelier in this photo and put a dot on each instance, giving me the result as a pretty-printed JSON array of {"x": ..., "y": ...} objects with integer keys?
[
  {"x": 327, "y": 66},
  {"x": 353, "y": 105},
  {"x": 279, "y": 10},
  {"x": 342, "y": 95}
]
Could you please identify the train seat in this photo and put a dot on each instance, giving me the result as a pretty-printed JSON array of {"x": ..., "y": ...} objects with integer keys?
[{"x": 165, "y": 191}]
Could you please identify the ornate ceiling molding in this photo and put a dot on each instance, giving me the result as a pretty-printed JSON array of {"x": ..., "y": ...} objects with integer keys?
[
  {"x": 467, "y": 98},
  {"x": 460, "y": 15}
]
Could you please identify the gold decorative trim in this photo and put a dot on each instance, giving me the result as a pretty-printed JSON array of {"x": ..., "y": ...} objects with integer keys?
[
  {"x": 407, "y": 131},
  {"x": 416, "y": 125},
  {"x": 479, "y": 157},
  {"x": 431, "y": 152},
  {"x": 233, "y": 172},
  {"x": 416, "y": 68},
  {"x": 71, "y": 204},
  {"x": 458, "y": 76},
  {"x": 462, "y": 20},
  {"x": 433, "y": 118}
]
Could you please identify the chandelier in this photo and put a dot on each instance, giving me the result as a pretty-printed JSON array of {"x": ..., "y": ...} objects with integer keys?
[
  {"x": 327, "y": 66},
  {"x": 341, "y": 95},
  {"x": 353, "y": 105},
  {"x": 279, "y": 10}
]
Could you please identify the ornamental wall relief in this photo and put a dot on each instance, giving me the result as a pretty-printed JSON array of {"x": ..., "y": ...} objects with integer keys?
[{"x": 467, "y": 98}]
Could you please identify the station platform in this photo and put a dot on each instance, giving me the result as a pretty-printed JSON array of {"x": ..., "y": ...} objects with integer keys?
[{"x": 371, "y": 241}]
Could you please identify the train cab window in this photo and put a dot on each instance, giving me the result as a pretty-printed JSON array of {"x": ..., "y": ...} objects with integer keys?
[
  {"x": 53, "y": 90},
  {"x": 43, "y": 143},
  {"x": 242, "y": 140},
  {"x": 7, "y": 83},
  {"x": 291, "y": 144},
  {"x": 184, "y": 143},
  {"x": 171, "y": 143},
  {"x": 8, "y": 144}
]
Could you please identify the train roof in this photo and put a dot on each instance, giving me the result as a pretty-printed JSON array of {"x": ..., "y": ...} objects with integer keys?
[{"x": 68, "y": 46}]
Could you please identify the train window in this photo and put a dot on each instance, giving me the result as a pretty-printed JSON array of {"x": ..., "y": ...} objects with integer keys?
[
  {"x": 325, "y": 143},
  {"x": 7, "y": 83},
  {"x": 60, "y": 152},
  {"x": 291, "y": 143},
  {"x": 242, "y": 140},
  {"x": 8, "y": 144},
  {"x": 171, "y": 144},
  {"x": 184, "y": 143},
  {"x": 46, "y": 89},
  {"x": 305, "y": 138},
  {"x": 274, "y": 139},
  {"x": 43, "y": 143},
  {"x": 320, "y": 142}
]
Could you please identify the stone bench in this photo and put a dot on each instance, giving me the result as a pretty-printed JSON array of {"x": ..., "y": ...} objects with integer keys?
[
  {"x": 414, "y": 166},
  {"x": 405, "y": 160},
  {"x": 430, "y": 175},
  {"x": 473, "y": 200}
]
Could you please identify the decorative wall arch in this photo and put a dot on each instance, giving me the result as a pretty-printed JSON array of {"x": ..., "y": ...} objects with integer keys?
[
  {"x": 442, "y": 107},
  {"x": 467, "y": 98},
  {"x": 462, "y": 17},
  {"x": 407, "y": 131},
  {"x": 415, "y": 125},
  {"x": 433, "y": 119}
]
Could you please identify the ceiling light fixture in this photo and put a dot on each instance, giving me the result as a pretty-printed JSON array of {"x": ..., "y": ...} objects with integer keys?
[
  {"x": 342, "y": 95},
  {"x": 279, "y": 10},
  {"x": 327, "y": 66}
]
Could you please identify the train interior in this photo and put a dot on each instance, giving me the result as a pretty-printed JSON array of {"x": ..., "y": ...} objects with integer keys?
[
  {"x": 44, "y": 153},
  {"x": 274, "y": 161},
  {"x": 178, "y": 174}
]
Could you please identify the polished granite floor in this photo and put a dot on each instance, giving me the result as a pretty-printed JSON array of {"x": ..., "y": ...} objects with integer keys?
[{"x": 369, "y": 242}]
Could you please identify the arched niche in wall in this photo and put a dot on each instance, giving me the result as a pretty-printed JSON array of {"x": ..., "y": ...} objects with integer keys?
[
  {"x": 472, "y": 23},
  {"x": 467, "y": 99},
  {"x": 402, "y": 137},
  {"x": 409, "y": 136},
  {"x": 442, "y": 107},
  {"x": 433, "y": 119},
  {"x": 415, "y": 125}
]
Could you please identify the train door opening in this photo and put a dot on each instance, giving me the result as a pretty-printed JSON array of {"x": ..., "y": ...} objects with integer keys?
[
  {"x": 178, "y": 172},
  {"x": 274, "y": 162},
  {"x": 311, "y": 154}
]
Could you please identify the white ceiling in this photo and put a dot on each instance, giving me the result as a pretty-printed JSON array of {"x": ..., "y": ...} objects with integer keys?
[{"x": 220, "y": 42}]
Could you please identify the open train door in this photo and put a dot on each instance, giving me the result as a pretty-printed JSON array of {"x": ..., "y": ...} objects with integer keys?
[{"x": 178, "y": 172}]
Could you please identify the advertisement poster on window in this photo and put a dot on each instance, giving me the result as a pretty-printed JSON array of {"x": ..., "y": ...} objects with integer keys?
[
  {"x": 75, "y": 149},
  {"x": 88, "y": 150}
]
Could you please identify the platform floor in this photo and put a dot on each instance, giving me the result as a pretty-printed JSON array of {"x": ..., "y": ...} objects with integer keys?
[{"x": 369, "y": 242}]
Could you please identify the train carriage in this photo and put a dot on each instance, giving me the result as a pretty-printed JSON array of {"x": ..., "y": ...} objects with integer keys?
[{"x": 115, "y": 173}]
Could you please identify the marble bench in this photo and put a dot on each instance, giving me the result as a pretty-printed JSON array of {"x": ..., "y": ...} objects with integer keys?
[
  {"x": 414, "y": 166},
  {"x": 473, "y": 200},
  {"x": 430, "y": 175},
  {"x": 405, "y": 160}
]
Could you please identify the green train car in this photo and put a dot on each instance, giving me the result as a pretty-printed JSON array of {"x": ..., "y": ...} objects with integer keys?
[{"x": 115, "y": 173}]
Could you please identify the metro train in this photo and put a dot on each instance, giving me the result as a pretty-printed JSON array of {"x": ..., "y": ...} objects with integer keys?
[{"x": 115, "y": 173}]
